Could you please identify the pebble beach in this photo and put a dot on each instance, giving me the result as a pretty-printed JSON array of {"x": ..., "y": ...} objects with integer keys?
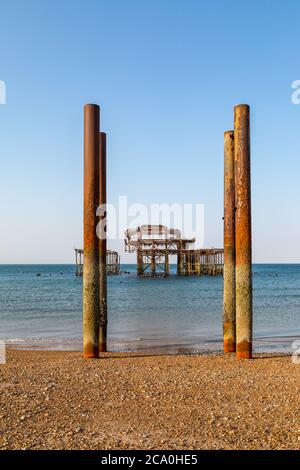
[{"x": 58, "y": 400}]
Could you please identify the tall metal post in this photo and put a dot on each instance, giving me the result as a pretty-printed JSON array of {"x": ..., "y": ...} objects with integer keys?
[
  {"x": 139, "y": 260},
  {"x": 179, "y": 258},
  {"x": 167, "y": 265},
  {"x": 229, "y": 339},
  {"x": 91, "y": 297},
  {"x": 153, "y": 264},
  {"x": 187, "y": 263},
  {"x": 243, "y": 238},
  {"x": 102, "y": 247},
  {"x": 197, "y": 267}
]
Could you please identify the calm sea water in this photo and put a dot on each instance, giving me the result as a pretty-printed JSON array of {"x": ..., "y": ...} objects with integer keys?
[{"x": 176, "y": 313}]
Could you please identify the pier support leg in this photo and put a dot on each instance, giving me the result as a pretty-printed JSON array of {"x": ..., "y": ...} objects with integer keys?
[
  {"x": 229, "y": 245},
  {"x": 139, "y": 262},
  {"x": 102, "y": 249},
  {"x": 188, "y": 263},
  {"x": 167, "y": 270},
  {"x": 243, "y": 232},
  {"x": 153, "y": 267},
  {"x": 197, "y": 268},
  {"x": 179, "y": 259},
  {"x": 91, "y": 295},
  {"x": 193, "y": 262}
]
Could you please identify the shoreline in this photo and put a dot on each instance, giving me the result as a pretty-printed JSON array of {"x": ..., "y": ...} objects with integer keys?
[
  {"x": 58, "y": 400},
  {"x": 155, "y": 345}
]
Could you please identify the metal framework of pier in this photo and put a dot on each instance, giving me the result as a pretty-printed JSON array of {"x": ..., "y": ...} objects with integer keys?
[
  {"x": 154, "y": 244},
  {"x": 112, "y": 262}
]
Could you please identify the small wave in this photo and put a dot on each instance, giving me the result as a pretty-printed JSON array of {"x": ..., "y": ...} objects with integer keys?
[{"x": 134, "y": 339}]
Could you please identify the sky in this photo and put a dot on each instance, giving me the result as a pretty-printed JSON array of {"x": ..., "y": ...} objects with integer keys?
[{"x": 166, "y": 75}]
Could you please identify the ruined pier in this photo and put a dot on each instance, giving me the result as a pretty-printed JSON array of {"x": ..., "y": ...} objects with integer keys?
[
  {"x": 154, "y": 244},
  {"x": 112, "y": 262}
]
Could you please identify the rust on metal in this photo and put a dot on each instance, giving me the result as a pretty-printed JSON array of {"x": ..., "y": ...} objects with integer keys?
[
  {"x": 179, "y": 261},
  {"x": 154, "y": 244},
  {"x": 243, "y": 238},
  {"x": 91, "y": 297},
  {"x": 102, "y": 248},
  {"x": 229, "y": 336}
]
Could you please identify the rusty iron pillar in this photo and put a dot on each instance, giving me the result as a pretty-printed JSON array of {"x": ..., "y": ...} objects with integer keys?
[
  {"x": 229, "y": 245},
  {"x": 243, "y": 239},
  {"x": 179, "y": 258},
  {"x": 139, "y": 261},
  {"x": 102, "y": 246},
  {"x": 91, "y": 294}
]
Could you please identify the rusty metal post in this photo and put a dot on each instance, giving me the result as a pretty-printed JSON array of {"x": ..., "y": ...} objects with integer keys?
[
  {"x": 91, "y": 296},
  {"x": 153, "y": 262},
  {"x": 179, "y": 263},
  {"x": 102, "y": 248},
  {"x": 197, "y": 267},
  {"x": 167, "y": 265},
  {"x": 140, "y": 269},
  {"x": 194, "y": 263},
  {"x": 179, "y": 258},
  {"x": 229, "y": 340},
  {"x": 243, "y": 238},
  {"x": 191, "y": 262},
  {"x": 187, "y": 263}
]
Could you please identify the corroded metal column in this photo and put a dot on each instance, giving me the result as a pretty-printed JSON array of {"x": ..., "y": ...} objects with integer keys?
[
  {"x": 139, "y": 261},
  {"x": 153, "y": 262},
  {"x": 179, "y": 258},
  {"x": 229, "y": 245},
  {"x": 188, "y": 263},
  {"x": 192, "y": 262},
  {"x": 166, "y": 259},
  {"x": 91, "y": 297},
  {"x": 243, "y": 239},
  {"x": 102, "y": 247},
  {"x": 197, "y": 262}
]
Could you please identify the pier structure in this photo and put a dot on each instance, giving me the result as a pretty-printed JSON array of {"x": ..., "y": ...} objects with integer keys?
[
  {"x": 112, "y": 262},
  {"x": 154, "y": 244}
]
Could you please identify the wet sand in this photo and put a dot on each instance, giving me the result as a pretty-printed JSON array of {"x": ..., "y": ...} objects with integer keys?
[{"x": 57, "y": 400}]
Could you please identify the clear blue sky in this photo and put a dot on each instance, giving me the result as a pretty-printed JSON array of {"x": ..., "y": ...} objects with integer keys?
[{"x": 167, "y": 75}]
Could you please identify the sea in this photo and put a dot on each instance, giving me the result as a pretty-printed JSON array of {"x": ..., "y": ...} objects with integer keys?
[{"x": 41, "y": 308}]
